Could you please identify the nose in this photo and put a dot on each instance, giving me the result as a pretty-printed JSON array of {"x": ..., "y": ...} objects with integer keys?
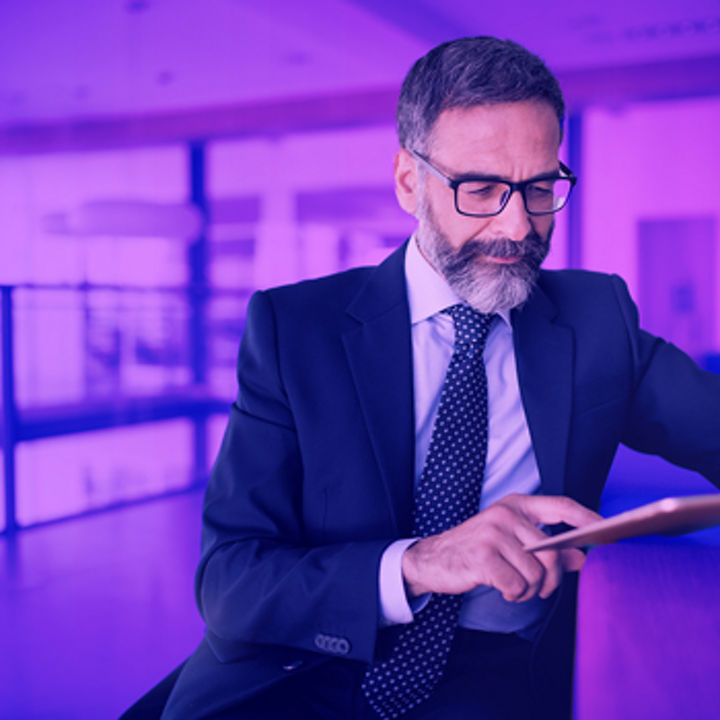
[{"x": 513, "y": 222}]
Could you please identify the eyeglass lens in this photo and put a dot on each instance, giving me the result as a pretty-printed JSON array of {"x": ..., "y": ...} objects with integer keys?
[{"x": 486, "y": 197}]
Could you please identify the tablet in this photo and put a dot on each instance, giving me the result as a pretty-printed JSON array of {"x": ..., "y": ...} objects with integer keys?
[{"x": 669, "y": 516}]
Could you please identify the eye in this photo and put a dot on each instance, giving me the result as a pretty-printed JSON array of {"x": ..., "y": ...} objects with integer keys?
[
  {"x": 480, "y": 189},
  {"x": 541, "y": 189}
]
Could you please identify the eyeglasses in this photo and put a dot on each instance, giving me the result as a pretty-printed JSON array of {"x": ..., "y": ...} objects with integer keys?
[{"x": 487, "y": 195}]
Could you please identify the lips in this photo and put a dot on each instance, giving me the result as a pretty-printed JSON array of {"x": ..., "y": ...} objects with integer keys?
[{"x": 503, "y": 260}]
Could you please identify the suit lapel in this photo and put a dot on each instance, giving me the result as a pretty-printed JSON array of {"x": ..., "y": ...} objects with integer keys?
[
  {"x": 379, "y": 351},
  {"x": 544, "y": 353}
]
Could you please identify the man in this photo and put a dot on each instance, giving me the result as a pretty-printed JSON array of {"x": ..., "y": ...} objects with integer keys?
[{"x": 401, "y": 433}]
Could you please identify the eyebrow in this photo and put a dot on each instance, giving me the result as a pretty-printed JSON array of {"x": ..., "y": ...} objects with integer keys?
[{"x": 464, "y": 177}]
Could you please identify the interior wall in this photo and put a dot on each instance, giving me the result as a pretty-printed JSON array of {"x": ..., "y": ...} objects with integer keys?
[{"x": 648, "y": 162}]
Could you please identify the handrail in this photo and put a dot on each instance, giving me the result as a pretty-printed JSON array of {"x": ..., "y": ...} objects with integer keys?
[
  {"x": 195, "y": 402},
  {"x": 188, "y": 289},
  {"x": 9, "y": 409}
]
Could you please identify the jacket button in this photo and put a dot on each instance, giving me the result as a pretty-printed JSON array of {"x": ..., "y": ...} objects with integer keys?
[{"x": 332, "y": 644}]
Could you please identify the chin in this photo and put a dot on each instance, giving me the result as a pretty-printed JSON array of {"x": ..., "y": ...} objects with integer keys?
[
  {"x": 494, "y": 288},
  {"x": 486, "y": 284}
]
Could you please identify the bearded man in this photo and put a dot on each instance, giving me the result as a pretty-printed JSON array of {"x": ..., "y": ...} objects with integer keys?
[{"x": 403, "y": 432}]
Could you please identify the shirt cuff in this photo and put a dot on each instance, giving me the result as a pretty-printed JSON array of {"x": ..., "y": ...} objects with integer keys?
[{"x": 394, "y": 606}]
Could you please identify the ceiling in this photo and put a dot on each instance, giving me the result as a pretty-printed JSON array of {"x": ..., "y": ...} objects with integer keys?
[{"x": 66, "y": 60}]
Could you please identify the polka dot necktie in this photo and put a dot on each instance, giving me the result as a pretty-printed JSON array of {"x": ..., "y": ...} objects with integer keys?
[{"x": 447, "y": 494}]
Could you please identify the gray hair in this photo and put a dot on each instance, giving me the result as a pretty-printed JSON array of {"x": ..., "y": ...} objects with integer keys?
[{"x": 467, "y": 72}]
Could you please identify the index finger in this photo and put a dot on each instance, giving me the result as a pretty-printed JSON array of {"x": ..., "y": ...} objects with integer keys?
[{"x": 553, "y": 509}]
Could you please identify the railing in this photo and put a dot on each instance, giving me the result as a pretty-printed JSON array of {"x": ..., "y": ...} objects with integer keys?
[
  {"x": 147, "y": 354},
  {"x": 138, "y": 357}
]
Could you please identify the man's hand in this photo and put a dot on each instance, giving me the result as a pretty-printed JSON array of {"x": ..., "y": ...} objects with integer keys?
[{"x": 487, "y": 549}]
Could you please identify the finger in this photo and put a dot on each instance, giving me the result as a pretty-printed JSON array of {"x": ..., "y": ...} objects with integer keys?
[
  {"x": 549, "y": 559},
  {"x": 500, "y": 557},
  {"x": 553, "y": 509},
  {"x": 512, "y": 531},
  {"x": 506, "y": 578},
  {"x": 572, "y": 559},
  {"x": 529, "y": 567}
]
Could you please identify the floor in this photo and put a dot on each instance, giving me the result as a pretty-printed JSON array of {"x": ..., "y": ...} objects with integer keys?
[{"x": 95, "y": 611}]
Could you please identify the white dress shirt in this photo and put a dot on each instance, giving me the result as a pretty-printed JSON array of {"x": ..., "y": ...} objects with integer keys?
[{"x": 510, "y": 467}]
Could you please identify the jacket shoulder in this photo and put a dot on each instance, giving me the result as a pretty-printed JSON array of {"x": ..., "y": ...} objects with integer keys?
[
  {"x": 338, "y": 285},
  {"x": 359, "y": 292},
  {"x": 580, "y": 281},
  {"x": 571, "y": 290},
  {"x": 318, "y": 302}
]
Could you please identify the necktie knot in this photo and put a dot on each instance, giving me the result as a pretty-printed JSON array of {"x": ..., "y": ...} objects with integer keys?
[{"x": 471, "y": 327}]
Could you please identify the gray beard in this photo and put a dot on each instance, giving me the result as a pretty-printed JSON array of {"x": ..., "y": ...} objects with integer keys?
[{"x": 487, "y": 287}]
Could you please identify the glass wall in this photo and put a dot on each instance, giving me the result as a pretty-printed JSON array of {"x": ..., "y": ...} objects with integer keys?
[
  {"x": 125, "y": 371},
  {"x": 96, "y": 245}
]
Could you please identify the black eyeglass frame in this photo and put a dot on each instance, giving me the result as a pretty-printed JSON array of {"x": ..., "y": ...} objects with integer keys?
[{"x": 454, "y": 184}]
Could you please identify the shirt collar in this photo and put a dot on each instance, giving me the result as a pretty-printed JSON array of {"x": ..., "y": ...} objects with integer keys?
[{"x": 428, "y": 291}]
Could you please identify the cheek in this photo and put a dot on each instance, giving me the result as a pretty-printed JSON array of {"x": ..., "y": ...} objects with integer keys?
[
  {"x": 461, "y": 229},
  {"x": 543, "y": 225},
  {"x": 471, "y": 229},
  {"x": 457, "y": 229}
]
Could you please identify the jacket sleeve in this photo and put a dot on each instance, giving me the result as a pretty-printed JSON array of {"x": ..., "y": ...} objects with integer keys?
[
  {"x": 675, "y": 408},
  {"x": 261, "y": 579}
]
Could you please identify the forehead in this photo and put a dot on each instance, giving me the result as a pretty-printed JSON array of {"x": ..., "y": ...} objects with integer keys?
[{"x": 512, "y": 135}]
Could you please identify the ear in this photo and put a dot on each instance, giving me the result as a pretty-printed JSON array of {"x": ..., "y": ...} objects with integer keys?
[{"x": 406, "y": 181}]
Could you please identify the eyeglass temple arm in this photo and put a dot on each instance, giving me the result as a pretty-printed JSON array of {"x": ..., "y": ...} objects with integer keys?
[{"x": 433, "y": 170}]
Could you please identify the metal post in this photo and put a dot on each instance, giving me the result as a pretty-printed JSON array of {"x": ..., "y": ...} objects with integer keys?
[
  {"x": 574, "y": 208},
  {"x": 197, "y": 260},
  {"x": 9, "y": 409}
]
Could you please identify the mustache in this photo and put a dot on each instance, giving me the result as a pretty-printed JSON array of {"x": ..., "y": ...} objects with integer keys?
[
  {"x": 532, "y": 246},
  {"x": 529, "y": 252}
]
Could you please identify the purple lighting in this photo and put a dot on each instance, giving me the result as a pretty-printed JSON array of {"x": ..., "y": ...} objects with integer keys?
[
  {"x": 161, "y": 161},
  {"x": 647, "y": 632}
]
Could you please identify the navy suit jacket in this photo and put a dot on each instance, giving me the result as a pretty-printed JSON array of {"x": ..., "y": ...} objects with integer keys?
[{"x": 315, "y": 475}]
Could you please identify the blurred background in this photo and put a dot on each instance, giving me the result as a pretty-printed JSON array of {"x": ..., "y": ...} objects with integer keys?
[{"x": 162, "y": 159}]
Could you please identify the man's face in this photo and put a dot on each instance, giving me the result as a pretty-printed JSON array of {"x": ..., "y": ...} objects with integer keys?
[{"x": 490, "y": 262}]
